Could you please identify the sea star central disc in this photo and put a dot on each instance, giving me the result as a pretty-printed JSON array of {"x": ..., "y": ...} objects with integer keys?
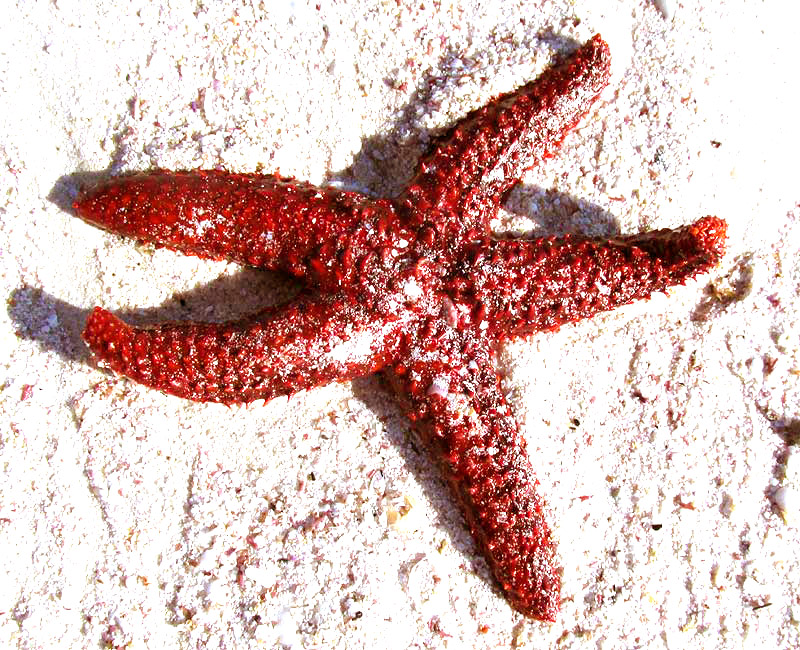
[{"x": 414, "y": 287}]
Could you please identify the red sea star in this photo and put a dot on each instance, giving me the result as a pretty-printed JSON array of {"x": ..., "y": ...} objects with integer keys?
[{"x": 414, "y": 287}]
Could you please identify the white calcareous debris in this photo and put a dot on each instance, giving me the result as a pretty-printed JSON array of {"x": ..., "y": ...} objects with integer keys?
[
  {"x": 440, "y": 387},
  {"x": 786, "y": 496},
  {"x": 406, "y": 517}
]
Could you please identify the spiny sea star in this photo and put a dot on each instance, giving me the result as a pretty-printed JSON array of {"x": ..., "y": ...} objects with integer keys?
[{"x": 414, "y": 287}]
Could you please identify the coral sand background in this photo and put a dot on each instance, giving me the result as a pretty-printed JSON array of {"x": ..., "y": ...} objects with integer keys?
[{"x": 665, "y": 435}]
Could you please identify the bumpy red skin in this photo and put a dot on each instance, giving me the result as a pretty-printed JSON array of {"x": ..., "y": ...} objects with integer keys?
[{"x": 413, "y": 287}]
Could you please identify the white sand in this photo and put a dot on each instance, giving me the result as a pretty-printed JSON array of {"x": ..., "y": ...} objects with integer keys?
[{"x": 130, "y": 519}]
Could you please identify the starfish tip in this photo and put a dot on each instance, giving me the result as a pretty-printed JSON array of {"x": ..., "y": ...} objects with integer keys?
[{"x": 711, "y": 234}]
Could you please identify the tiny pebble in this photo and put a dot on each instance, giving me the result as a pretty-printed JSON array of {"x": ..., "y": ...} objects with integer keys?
[{"x": 664, "y": 7}]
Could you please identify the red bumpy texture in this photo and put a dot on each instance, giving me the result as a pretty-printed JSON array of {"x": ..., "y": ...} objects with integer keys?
[{"x": 413, "y": 287}]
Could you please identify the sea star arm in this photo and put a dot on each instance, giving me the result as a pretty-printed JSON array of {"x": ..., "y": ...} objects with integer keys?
[
  {"x": 323, "y": 234},
  {"x": 277, "y": 351},
  {"x": 454, "y": 399},
  {"x": 524, "y": 286},
  {"x": 460, "y": 183}
]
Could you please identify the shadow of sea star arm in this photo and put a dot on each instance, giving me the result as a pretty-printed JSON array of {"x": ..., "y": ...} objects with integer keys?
[
  {"x": 524, "y": 286},
  {"x": 451, "y": 390},
  {"x": 323, "y": 234},
  {"x": 460, "y": 183},
  {"x": 278, "y": 351}
]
